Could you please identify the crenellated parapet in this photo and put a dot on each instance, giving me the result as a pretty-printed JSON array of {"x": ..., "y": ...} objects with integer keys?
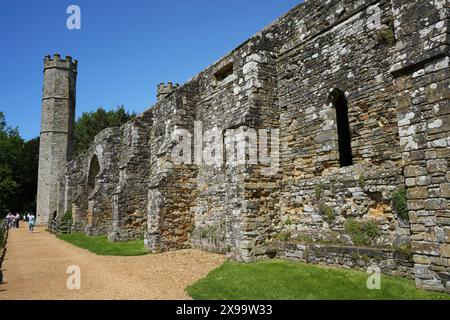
[
  {"x": 165, "y": 89},
  {"x": 56, "y": 61}
]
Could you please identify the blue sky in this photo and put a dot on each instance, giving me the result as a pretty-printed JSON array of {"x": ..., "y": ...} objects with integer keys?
[{"x": 124, "y": 48}]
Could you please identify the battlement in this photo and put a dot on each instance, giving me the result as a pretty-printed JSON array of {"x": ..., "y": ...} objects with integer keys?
[
  {"x": 57, "y": 62},
  {"x": 164, "y": 89}
]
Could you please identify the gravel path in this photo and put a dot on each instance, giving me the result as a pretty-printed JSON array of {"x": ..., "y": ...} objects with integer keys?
[{"x": 36, "y": 264}]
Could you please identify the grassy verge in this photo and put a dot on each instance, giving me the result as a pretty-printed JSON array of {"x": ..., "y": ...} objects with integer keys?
[
  {"x": 100, "y": 245},
  {"x": 283, "y": 280}
]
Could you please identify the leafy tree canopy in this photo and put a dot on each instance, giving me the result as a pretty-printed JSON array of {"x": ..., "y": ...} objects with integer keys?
[
  {"x": 18, "y": 170},
  {"x": 92, "y": 123}
]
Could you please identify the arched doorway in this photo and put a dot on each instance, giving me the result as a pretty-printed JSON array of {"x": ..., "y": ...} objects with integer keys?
[{"x": 339, "y": 101}]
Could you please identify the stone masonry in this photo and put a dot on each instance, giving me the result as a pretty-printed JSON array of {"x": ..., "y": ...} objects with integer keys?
[
  {"x": 354, "y": 99},
  {"x": 56, "y": 139}
]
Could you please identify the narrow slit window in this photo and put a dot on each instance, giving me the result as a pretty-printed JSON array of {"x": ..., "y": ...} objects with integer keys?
[
  {"x": 224, "y": 73},
  {"x": 340, "y": 103}
]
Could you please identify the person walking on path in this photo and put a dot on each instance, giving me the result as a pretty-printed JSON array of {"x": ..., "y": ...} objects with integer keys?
[
  {"x": 30, "y": 223},
  {"x": 9, "y": 220},
  {"x": 17, "y": 220}
]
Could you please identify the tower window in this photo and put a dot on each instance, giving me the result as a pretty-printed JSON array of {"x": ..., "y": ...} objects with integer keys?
[{"x": 339, "y": 101}]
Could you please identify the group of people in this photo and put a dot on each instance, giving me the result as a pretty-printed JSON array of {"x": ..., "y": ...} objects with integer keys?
[{"x": 13, "y": 220}]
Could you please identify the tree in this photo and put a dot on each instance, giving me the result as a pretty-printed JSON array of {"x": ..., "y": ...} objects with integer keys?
[
  {"x": 11, "y": 152},
  {"x": 19, "y": 159},
  {"x": 92, "y": 123}
]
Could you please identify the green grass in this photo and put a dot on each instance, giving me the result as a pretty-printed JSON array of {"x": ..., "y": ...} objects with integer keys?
[
  {"x": 100, "y": 245},
  {"x": 283, "y": 280}
]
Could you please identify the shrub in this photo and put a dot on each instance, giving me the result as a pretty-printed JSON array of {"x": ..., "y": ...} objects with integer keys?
[
  {"x": 386, "y": 36},
  {"x": 318, "y": 190},
  {"x": 405, "y": 250},
  {"x": 67, "y": 217},
  {"x": 327, "y": 212},
  {"x": 303, "y": 238},
  {"x": 362, "y": 233},
  {"x": 2, "y": 235},
  {"x": 284, "y": 236},
  {"x": 362, "y": 182},
  {"x": 399, "y": 201}
]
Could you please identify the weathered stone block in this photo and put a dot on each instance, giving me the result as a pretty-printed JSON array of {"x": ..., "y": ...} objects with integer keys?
[
  {"x": 415, "y": 171},
  {"x": 417, "y": 193},
  {"x": 426, "y": 248},
  {"x": 445, "y": 190},
  {"x": 435, "y": 204},
  {"x": 438, "y": 92},
  {"x": 420, "y": 259},
  {"x": 437, "y": 166},
  {"x": 445, "y": 250}
]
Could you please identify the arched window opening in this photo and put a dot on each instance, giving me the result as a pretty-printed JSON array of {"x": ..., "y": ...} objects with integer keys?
[
  {"x": 94, "y": 168},
  {"x": 339, "y": 101}
]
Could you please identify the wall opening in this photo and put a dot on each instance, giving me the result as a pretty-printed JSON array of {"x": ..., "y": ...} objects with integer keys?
[
  {"x": 224, "y": 72},
  {"x": 94, "y": 169},
  {"x": 339, "y": 101}
]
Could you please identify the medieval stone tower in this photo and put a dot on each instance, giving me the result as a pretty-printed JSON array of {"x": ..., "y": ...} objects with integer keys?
[{"x": 56, "y": 140}]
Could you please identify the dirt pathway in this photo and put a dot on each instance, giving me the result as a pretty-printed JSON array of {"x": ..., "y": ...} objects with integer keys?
[{"x": 36, "y": 264}]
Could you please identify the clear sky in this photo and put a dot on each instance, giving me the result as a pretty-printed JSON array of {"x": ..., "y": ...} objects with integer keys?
[{"x": 124, "y": 48}]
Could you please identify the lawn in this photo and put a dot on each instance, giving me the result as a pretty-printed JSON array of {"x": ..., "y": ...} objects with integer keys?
[
  {"x": 283, "y": 280},
  {"x": 100, "y": 245}
]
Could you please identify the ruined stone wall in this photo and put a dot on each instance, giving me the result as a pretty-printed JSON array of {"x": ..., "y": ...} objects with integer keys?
[
  {"x": 387, "y": 61},
  {"x": 91, "y": 180},
  {"x": 130, "y": 194},
  {"x": 346, "y": 52},
  {"x": 421, "y": 71},
  {"x": 172, "y": 187}
]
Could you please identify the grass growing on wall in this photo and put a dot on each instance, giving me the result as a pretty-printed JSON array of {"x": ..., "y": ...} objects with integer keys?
[
  {"x": 100, "y": 245},
  {"x": 284, "y": 280}
]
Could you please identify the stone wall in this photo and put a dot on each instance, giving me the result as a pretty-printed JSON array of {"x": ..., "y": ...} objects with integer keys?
[
  {"x": 389, "y": 261},
  {"x": 421, "y": 71},
  {"x": 130, "y": 194},
  {"x": 357, "y": 95}
]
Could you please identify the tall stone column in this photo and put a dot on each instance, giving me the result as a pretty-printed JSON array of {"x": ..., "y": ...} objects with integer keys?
[{"x": 57, "y": 125}]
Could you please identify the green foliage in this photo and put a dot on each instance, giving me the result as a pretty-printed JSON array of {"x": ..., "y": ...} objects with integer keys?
[
  {"x": 2, "y": 234},
  {"x": 303, "y": 238},
  {"x": 92, "y": 123},
  {"x": 100, "y": 245},
  {"x": 327, "y": 212},
  {"x": 362, "y": 182},
  {"x": 400, "y": 203},
  {"x": 362, "y": 233},
  {"x": 318, "y": 191},
  {"x": 405, "y": 250},
  {"x": 284, "y": 236},
  {"x": 386, "y": 35},
  {"x": 284, "y": 280},
  {"x": 19, "y": 161},
  {"x": 67, "y": 217}
]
